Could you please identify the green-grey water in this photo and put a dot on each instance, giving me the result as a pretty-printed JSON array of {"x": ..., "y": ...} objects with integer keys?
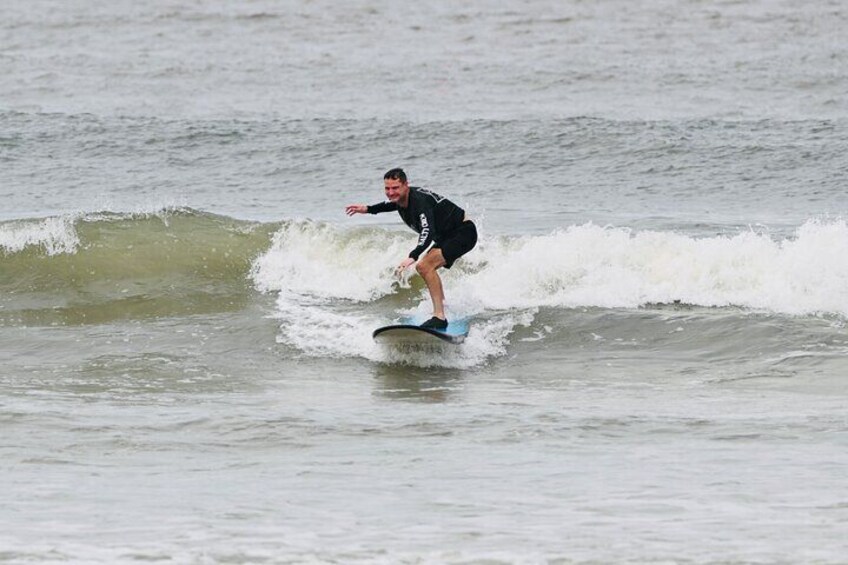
[{"x": 655, "y": 366}]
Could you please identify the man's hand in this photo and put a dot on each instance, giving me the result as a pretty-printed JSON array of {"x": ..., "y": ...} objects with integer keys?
[
  {"x": 403, "y": 266},
  {"x": 352, "y": 209}
]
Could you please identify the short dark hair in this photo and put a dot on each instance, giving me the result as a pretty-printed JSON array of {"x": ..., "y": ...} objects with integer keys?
[{"x": 395, "y": 174}]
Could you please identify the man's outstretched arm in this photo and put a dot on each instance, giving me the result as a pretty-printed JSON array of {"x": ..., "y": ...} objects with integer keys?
[{"x": 352, "y": 209}]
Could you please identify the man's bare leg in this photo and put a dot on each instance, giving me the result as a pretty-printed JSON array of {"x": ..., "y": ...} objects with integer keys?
[{"x": 427, "y": 268}]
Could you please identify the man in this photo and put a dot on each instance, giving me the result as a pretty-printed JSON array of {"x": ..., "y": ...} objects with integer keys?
[{"x": 445, "y": 234}]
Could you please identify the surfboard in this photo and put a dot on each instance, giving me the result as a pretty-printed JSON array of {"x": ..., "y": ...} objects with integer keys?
[{"x": 408, "y": 333}]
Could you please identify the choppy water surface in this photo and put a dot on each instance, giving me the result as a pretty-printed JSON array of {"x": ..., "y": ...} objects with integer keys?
[
  {"x": 430, "y": 61},
  {"x": 655, "y": 369}
]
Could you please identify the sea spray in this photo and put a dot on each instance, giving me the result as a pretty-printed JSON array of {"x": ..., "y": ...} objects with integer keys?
[{"x": 53, "y": 236}]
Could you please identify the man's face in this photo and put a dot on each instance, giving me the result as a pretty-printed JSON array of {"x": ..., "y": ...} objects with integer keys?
[{"x": 396, "y": 191}]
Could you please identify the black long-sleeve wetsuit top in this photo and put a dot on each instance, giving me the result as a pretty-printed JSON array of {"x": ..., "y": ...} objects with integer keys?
[{"x": 434, "y": 217}]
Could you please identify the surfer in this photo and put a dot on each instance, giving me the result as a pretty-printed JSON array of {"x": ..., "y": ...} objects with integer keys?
[{"x": 445, "y": 234}]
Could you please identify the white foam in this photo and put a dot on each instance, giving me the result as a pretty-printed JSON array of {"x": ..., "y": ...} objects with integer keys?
[
  {"x": 316, "y": 329},
  {"x": 316, "y": 259},
  {"x": 503, "y": 282},
  {"x": 55, "y": 235},
  {"x": 313, "y": 266},
  {"x": 594, "y": 266}
]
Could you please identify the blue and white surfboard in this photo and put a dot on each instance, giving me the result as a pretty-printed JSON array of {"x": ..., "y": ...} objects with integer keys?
[{"x": 408, "y": 332}]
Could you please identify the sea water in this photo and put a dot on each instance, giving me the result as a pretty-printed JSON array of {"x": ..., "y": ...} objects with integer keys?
[{"x": 656, "y": 365}]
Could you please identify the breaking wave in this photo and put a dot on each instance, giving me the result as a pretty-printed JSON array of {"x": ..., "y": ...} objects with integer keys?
[{"x": 333, "y": 285}]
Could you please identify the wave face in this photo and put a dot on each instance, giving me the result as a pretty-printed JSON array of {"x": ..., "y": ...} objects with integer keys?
[
  {"x": 334, "y": 285},
  {"x": 98, "y": 267}
]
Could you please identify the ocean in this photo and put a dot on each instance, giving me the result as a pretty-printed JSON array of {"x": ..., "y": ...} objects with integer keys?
[{"x": 655, "y": 369}]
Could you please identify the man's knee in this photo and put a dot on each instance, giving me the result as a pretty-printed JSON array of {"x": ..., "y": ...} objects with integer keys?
[
  {"x": 424, "y": 267},
  {"x": 429, "y": 264}
]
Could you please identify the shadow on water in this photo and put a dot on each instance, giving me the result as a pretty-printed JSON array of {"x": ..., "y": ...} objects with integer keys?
[{"x": 417, "y": 384}]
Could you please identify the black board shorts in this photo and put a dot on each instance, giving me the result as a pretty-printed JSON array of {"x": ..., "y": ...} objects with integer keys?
[{"x": 457, "y": 243}]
